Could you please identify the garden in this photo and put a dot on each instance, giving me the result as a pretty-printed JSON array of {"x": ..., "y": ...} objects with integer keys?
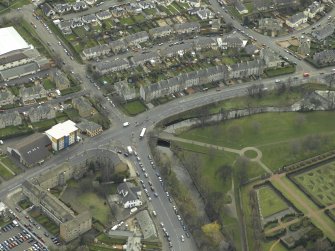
[
  {"x": 319, "y": 183},
  {"x": 270, "y": 202}
]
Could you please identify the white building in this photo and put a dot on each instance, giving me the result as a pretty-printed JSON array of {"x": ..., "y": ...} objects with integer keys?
[{"x": 62, "y": 135}]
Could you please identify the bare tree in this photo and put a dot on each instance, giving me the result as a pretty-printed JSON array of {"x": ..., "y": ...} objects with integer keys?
[
  {"x": 256, "y": 127},
  {"x": 300, "y": 120}
]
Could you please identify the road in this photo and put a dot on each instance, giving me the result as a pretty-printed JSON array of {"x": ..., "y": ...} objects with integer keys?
[{"x": 129, "y": 135}]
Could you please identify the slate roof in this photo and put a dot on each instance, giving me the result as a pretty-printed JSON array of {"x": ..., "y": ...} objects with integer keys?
[
  {"x": 128, "y": 191},
  {"x": 33, "y": 148},
  {"x": 146, "y": 224},
  {"x": 19, "y": 70},
  {"x": 86, "y": 125},
  {"x": 296, "y": 17}
]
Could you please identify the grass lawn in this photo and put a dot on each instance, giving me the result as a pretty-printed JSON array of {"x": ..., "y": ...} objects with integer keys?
[
  {"x": 319, "y": 182},
  {"x": 48, "y": 84},
  {"x": 302, "y": 196},
  {"x": 250, "y": 7},
  {"x": 210, "y": 163},
  {"x": 270, "y": 202},
  {"x": 139, "y": 18},
  {"x": 72, "y": 114},
  {"x": 9, "y": 163},
  {"x": 4, "y": 173},
  {"x": 234, "y": 12},
  {"x": 250, "y": 154},
  {"x": 152, "y": 11},
  {"x": 279, "y": 71},
  {"x": 44, "y": 124},
  {"x": 127, "y": 21},
  {"x": 96, "y": 206},
  {"x": 25, "y": 203},
  {"x": 134, "y": 107},
  {"x": 275, "y": 134},
  {"x": 271, "y": 99},
  {"x": 11, "y": 131},
  {"x": 229, "y": 60}
]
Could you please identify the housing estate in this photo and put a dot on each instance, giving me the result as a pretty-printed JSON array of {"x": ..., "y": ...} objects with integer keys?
[
  {"x": 296, "y": 20},
  {"x": 32, "y": 93},
  {"x": 83, "y": 106},
  {"x": 179, "y": 83},
  {"x": 41, "y": 112},
  {"x": 6, "y": 97},
  {"x": 125, "y": 90},
  {"x": 324, "y": 57},
  {"x": 10, "y": 119}
]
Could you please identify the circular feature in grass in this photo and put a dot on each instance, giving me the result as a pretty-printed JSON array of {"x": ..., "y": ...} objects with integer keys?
[{"x": 251, "y": 154}]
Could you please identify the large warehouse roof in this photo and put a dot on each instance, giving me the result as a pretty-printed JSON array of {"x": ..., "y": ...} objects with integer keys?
[{"x": 11, "y": 40}]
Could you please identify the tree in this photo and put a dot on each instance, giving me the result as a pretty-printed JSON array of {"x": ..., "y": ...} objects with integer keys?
[
  {"x": 212, "y": 231},
  {"x": 242, "y": 163},
  {"x": 256, "y": 127},
  {"x": 203, "y": 115},
  {"x": 256, "y": 90},
  {"x": 224, "y": 172},
  {"x": 300, "y": 120}
]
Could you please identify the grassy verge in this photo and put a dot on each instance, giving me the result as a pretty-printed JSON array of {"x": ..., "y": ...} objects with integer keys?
[
  {"x": 279, "y": 71},
  {"x": 11, "y": 165},
  {"x": 4, "y": 173}
]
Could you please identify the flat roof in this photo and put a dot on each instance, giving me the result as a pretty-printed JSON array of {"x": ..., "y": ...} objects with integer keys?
[
  {"x": 11, "y": 40},
  {"x": 62, "y": 129}
]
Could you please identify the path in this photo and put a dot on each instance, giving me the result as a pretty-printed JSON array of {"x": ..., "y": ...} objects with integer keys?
[
  {"x": 169, "y": 136},
  {"x": 274, "y": 244},
  {"x": 313, "y": 214},
  {"x": 8, "y": 169}
]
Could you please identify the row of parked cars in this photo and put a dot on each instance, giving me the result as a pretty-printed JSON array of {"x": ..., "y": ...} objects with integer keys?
[{"x": 18, "y": 239}]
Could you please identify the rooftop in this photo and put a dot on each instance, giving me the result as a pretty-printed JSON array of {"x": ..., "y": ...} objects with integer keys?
[
  {"x": 11, "y": 41},
  {"x": 62, "y": 129}
]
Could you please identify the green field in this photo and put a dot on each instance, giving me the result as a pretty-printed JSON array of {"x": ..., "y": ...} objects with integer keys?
[
  {"x": 134, "y": 107},
  {"x": 96, "y": 206},
  {"x": 283, "y": 138},
  {"x": 270, "y": 203},
  {"x": 319, "y": 182},
  {"x": 48, "y": 84}
]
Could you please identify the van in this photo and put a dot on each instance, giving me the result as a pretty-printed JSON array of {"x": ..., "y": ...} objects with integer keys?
[{"x": 125, "y": 124}]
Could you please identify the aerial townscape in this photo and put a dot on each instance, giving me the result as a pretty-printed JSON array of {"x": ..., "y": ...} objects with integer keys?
[{"x": 167, "y": 125}]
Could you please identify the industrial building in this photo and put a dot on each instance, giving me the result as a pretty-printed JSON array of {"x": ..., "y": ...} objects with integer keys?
[{"x": 63, "y": 135}]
